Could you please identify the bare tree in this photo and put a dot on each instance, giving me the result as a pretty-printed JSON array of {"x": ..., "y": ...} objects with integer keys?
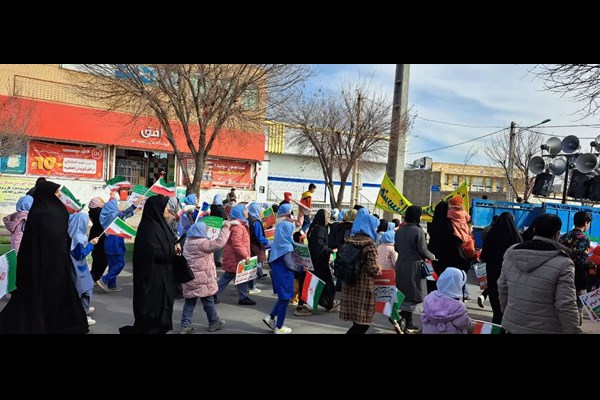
[
  {"x": 527, "y": 145},
  {"x": 203, "y": 99},
  {"x": 16, "y": 122},
  {"x": 472, "y": 152},
  {"x": 341, "y": 127},
  {"x": 580, "y": 82}
]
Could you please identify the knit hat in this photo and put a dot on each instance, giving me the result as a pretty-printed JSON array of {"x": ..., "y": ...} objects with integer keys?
[{"x": 456, "y": 201}]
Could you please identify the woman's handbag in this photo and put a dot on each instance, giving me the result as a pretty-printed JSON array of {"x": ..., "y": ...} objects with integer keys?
[
  {"x": 426, "y": 269},
  {"x": 183, "y": 272}
]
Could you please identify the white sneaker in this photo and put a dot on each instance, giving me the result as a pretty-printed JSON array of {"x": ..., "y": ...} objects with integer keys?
[
  {"x": 270, "y": 322},
  {"x": 91, "y": 321},
  {"x": 255, "y": 291},
  {"x": 91, "y": 310},
  {"x": 188, "y": 330},
  {"x": 284, "y": 330}
]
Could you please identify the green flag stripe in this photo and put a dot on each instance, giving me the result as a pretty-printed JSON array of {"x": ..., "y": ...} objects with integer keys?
[{"x": 125, "y": 227}]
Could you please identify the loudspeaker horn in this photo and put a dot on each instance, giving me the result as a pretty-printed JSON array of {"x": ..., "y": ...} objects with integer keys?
[
  {"x": 596, "y": 143},
  {"x": 570, "y": 144},
  {"x": 537, "y": 165},
  {"x": 586, "y": 163},
  {"x": 558, "y": 166},
  {"x": 553, "y": 146}
]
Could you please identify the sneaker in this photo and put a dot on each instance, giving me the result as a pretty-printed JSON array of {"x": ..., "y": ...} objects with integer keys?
[
  {"x": 216, "y": 326},
  {"x": 284, "y": 330},
  {"x": 270, "y": 322},
  {"x": 263, "y": 276},
  {"x": 188, "y": 330},
  {"x": 294, "y": 302},
  {"x": 115, "y": 289},
  {"x": 91, "y": 310},
  {"x": 480, "y": 300},
  {"x": 302, "y": 311},
  {"x": 91, "y": 321},
  {"x": 254, "y": 291},
  {"x": 411, "y": 330},
  {"x": 466, "y": 298},
  {"x": 102, "y": 285},
  {"x": 247, "y": 302}
]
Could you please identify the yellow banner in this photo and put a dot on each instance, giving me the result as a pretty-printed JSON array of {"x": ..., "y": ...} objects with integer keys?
[
  {"x": 390, "y": 199},
  {"x": 462, "y": 191}
]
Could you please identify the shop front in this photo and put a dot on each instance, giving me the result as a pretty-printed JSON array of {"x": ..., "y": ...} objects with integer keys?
[{"x": 82, "y": 147}]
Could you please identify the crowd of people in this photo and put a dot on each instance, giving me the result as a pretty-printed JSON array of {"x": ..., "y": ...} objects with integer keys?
[{"x": 534, "y": 278}]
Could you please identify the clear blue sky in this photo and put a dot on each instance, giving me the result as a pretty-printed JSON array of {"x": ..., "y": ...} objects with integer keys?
[{"x": 469, "y": 94}]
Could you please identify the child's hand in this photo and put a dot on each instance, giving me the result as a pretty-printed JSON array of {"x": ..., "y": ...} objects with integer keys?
[{"x": 94, "y": 241}]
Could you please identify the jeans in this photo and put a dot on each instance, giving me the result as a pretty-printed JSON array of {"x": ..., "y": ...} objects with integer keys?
[
  {"x": 188, "y": 310},
  {"x": 86, "y": 298},
  {"x": 306, "y": 223},
  {"x": 227, "y": 277}
]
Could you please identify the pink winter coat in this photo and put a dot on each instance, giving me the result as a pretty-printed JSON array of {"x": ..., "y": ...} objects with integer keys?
[
  {"x": 460, "y": 218},
  {"x": 386, "y": 255},
  {"x": 198, "y": 253},
  {"x": 443, "y": 315},
  {"x": 14, "y": 223},
  {"x": 237, "y": 247}
]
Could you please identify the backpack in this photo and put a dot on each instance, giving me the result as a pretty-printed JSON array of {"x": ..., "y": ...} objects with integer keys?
[{"x": 347, "y": 264}]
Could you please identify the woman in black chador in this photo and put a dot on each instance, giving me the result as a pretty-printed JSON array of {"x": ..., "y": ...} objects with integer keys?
[
  {"x": 153, "y": 280},
  {"x": 45, "y": 300}
]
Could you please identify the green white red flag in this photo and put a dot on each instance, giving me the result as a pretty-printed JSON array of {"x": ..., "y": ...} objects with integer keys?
[
  {"x": 485, "y": 328},
  {"x": 311, "y": 290},
  {"x": 8, "y": 273},
  {"x": 162, "y": 187},
  {"x": 70, "y": 202},
  {"x": 116, "y": 182},
  {"x": 121, "y": 228}
]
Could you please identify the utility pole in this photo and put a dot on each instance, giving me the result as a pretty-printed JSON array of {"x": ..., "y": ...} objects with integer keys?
[
  {"x": 510, "y": 196},
  {"x": 355, "y": 173},
  {"x": 397, "y": 147}
]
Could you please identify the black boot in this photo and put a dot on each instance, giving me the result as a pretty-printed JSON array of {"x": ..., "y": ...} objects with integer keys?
[{"x": 410, "y": 327}]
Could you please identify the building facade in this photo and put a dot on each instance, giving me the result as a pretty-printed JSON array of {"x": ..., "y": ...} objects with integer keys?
[{"x": 76, "y": 143}]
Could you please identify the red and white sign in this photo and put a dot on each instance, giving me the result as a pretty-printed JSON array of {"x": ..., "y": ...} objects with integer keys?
[
  {"x": 63, "y": 160},
  {"x": 223, "y": 173}
]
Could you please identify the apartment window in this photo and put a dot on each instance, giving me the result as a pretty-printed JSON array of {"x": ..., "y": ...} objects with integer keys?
[
  {"x": 448, "y": 179},
  {"x": 477, "y": 184},
  {"x": 454, "y": 181},
  {"x": 499, "y": 186},
  {"x": 250, "y": 99},
  {"x": 488, "y": 184}
]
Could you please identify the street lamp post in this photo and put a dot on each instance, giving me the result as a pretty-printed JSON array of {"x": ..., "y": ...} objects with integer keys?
[{"x": 511, "y": 154}]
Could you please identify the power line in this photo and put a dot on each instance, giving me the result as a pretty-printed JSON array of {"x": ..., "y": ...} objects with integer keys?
[
  {"x": 458, "y": 144},
  {"x": 549, "y": 134},
  {"x": 457, "y": 124}
]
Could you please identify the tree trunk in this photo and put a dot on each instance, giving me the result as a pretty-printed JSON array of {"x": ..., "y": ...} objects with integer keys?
[
  {"x": 194, "y": 188},
  {"x": 330, "y": 189},
  {"x": 340, "y": 195}
]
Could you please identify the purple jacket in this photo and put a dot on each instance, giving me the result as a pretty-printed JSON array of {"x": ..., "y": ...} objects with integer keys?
[
  {"x": 444, "y": 315},
  {"x": 15, "y": 223}
]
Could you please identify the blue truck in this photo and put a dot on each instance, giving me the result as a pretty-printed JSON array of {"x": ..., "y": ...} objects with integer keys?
[{"x": 482, "y": 212}]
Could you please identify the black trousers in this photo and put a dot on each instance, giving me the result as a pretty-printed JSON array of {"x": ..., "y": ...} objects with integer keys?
[{"x": 357, "y": 329}]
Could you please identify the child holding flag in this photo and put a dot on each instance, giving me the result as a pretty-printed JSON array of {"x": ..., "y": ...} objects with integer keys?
[
  {"x": 443, "y": 309},
  {"x": 282, "y": 273},
  {"x": 80, "y": 248},
  {"x": 114, "y": 246}
]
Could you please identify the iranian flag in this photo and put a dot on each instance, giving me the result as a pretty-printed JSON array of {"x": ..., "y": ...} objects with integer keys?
[
  {"x": 391, "y": 309},
  {"x": 116, "y": 182},
  {"x": 139, "y": 191},
  {"x": 485, "y": 328},
  {"x": 162, "y": 187},
  {"x": 311, "y": 290},
  {"x": 8, "y": 272},
  {"x": 121, "y": 228},
  {"x": 70, "y": 202}
]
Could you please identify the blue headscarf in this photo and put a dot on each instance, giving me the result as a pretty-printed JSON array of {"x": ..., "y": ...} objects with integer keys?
[
  {"x": 254, "y": 210},
  {"x": 366, "y": 224},
  {"x": 78, "y": 229},
  {"x": 389, "y": 235},
  {"x": 284, "y": 209},
  {"x": 198, "y": 230},
  {"x": 24, "y": 203},
  {"x": 341, "y": 215},
  {"x": 190, "y": 200},
  {"x": 362, "y": 211},
  {"x": 218, "y": 200},
  {"x": 237, "y": 212},
  {"x": 109, "y": 213},
  {"x": 282, "y": 242}
]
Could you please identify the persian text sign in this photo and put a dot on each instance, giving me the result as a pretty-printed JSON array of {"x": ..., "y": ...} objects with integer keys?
[
  {"x": 301, "y": 256},
  {"x": 223, "y": 173},
  {"x": 591, "y": 303},
  {"x": 246, "y": 272},
  {"x": 384, "y": 286},
  {"x": 62, "y": 160},
  {"x": 11, "y": 189}
]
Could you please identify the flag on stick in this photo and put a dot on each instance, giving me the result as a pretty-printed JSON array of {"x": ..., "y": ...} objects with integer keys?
[
  {"x": 8, "y": 273},
  {"x": 70, "y": 202},
  {"x": 311, "y": 290},
  {"x": 162, "y": 187},
  {"x": 121, "y": 228},
  {"x": 116, "y": 182}
]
